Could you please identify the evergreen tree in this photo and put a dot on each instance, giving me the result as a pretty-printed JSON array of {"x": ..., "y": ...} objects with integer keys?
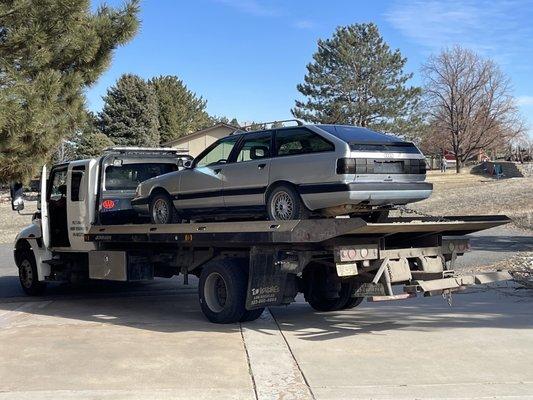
[
  {"x": 50, "y": 51},
  {"x": 180, "y": 111},
  {"x": 90, "y": 142},
  {"x": 355, "y": 78},
  {"x": 130, "y": 113}
]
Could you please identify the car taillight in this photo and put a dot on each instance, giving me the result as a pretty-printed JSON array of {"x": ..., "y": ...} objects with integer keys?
[
  {"x": 108, "y": 204},
  {"x": 346, "y": 166}
]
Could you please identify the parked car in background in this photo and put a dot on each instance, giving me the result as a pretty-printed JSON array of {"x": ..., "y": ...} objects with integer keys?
[{"x": 289, "y": 173}]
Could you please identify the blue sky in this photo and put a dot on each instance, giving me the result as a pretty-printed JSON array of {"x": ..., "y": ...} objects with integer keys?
[{"x": 246, "y": 56}]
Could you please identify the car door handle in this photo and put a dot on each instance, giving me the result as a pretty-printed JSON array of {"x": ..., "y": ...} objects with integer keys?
[
  {"x": 261, "y": 166},
  {"x": 217, "y": 170}
]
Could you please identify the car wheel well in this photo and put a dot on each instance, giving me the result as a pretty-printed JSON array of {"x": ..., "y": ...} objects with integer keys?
[
  {"x": 276, "y": 184},
  {"x": 159, "y": 190}
]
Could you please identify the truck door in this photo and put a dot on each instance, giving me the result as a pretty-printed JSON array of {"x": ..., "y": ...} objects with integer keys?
[
  {"x": 56, "y": 198},
  {"x": 246, "y": 177},
  {"x": 79, "y": 206}
]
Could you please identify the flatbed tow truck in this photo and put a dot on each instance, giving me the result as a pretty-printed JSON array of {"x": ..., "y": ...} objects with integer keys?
[{"x": 245, "y": 266}]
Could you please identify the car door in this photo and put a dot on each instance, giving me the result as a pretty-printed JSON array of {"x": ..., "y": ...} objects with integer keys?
[
  {"x": 201, "y": 185},
  {"x": 245, "y": 178}
]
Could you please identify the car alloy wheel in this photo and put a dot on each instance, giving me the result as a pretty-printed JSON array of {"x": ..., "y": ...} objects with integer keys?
[
  {"x": 160, "y": 211},
  {"x": 282, "y": 206}
]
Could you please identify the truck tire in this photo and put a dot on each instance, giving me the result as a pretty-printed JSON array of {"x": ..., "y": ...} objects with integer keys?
[
  {"x": 252, "y": 315},
  {"x": 353, "y": 302},
  {"x": 284, "y": 203},
  {"x": 222, "y": 291},
  {"x": 28, "y": 276},
  {"x": 161, "y": 209},
  {"x": 316, "y": 294}
]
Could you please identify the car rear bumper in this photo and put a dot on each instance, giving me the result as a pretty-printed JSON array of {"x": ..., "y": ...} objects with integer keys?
[{"x": 328, "y": 195}]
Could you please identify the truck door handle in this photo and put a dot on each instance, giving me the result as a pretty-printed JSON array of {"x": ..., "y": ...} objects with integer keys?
[
  {"x": 261, "y": 166},
  {"x": 217, "y": 170}
]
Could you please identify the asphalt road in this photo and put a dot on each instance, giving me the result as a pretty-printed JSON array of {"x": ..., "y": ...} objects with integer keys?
[{"x": 150, "y": 340}]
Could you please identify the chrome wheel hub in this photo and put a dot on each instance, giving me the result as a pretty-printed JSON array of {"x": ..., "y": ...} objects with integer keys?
[
  {"x": 282, "y": 206},
  {"x": 160, "y": 211}
]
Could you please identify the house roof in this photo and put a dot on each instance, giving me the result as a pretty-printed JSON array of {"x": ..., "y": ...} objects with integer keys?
[{"x": 199, "y": 133}]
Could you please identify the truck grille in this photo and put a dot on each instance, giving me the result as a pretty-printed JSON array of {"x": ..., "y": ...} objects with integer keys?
[{"x": 380, "y": 166}]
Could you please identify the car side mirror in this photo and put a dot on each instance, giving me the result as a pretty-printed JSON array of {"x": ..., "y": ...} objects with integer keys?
[
  {"x": 187, "y": 164},
  {"x": 17, "y": 196}
]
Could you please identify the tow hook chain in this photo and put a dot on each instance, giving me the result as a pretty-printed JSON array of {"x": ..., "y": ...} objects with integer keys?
[
  {"x": 406, "y": 210},
  {"x": 447, "y": 295}
]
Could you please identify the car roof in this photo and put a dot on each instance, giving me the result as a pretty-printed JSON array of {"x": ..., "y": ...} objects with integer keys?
[{"x": 341, "y": 131}]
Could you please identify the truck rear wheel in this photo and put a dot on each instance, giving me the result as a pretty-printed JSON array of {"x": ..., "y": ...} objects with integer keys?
[
  {"x": 28, "y": 277},
  {"x": 222, "y": 292},
  {"x": 318, "y": 291}
]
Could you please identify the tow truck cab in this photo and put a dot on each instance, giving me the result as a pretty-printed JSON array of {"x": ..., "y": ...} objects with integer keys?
[{"x": 78, "y": 194}]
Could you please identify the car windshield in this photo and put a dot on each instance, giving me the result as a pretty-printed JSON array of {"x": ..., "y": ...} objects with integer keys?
[
  {"x": 363, "y": 139},
  {"x": 128, "y": 176}
]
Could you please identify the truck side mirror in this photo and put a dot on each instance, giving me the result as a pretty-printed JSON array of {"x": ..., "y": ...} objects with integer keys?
[{"x": 17, "y": 196}]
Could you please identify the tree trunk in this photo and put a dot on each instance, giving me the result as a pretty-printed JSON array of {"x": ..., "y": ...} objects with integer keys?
[{"x": 457, "y": 164}]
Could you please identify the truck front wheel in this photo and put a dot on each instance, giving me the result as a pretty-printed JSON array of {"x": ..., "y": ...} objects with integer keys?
[
  {"x": 222, "y": 291},
  {"x": 29, "y": 279}
]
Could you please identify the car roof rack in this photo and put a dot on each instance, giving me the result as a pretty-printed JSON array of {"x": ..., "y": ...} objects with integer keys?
[
  {"x": 261, "y": 126},
  {"x": 146, "y": 151}
]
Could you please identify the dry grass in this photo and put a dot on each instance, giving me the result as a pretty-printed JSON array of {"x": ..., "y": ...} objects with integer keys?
[
  {"x": 465, "y": 194},
  {"x": 10, "y": 221}
]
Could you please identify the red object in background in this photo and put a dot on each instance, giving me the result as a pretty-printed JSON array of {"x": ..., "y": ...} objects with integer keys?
[{"x": 108, "y": 204}]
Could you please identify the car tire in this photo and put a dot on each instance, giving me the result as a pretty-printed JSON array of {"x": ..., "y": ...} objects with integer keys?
[
  {"x": 28, "y": 276},
  {"x": 161, "y": 209},
  {"x": 222, "y": 292},
  {"x": 284, "y": 203}
]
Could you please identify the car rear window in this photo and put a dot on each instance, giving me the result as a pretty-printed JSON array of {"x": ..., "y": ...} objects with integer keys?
[
  {"x": 128, "y": 176},
  {"x": 363, "y": 139},
  {"x": 386, "y": 148}
]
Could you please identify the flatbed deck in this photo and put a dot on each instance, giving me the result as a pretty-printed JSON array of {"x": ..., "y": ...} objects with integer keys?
[{"x": 252, "y": 233}]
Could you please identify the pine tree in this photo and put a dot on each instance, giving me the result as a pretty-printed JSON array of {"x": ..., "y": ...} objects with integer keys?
[
  {"x": 50, "y": 51},
  {"x": 130, "y": 113},
  {"x": 90, "y": 142},
  {"x": 355, "y": 78},
  {"x": 180, "y": 110}
]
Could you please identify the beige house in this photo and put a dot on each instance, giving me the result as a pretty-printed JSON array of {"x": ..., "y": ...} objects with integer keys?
[{"x": 197, "y": 142}]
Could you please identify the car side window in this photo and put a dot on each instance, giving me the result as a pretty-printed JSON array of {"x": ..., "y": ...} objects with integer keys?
[
  {"x": 218, "y": 154},
  {"x": 300, "y": 141},
  {"x": 255, "y": 147}
]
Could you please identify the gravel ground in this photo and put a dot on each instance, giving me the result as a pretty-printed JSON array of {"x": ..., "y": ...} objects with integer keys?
[{"x": 467, "y": 194}]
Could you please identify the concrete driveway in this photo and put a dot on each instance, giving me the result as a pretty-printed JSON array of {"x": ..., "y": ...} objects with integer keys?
[{"x": 151, "y": 341}]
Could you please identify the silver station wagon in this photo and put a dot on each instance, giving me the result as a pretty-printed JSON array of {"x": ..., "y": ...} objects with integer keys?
[{"x": 289, "y": 173}]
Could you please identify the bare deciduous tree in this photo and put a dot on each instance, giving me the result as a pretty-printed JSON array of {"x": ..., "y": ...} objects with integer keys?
[{"x": 470, "y": 103}]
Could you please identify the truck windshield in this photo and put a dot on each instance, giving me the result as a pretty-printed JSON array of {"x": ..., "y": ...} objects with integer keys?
[{"x": 128, "y": 176}]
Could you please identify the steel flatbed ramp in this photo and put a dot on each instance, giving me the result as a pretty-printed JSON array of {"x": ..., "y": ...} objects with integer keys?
[{"x": 298, "y": 231}]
